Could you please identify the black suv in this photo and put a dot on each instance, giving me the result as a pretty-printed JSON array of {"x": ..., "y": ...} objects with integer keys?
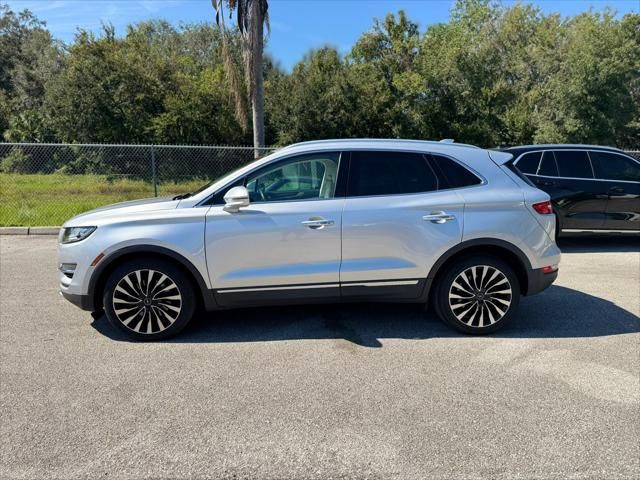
[{"x": 592, "y": 188}]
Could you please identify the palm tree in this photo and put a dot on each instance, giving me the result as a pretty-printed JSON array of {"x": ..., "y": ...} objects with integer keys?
[{"x": 251, "y": 19}]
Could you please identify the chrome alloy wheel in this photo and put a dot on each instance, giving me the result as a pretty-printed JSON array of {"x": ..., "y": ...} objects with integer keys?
[
  {"x": 480, "y": 296},
  {"x": 147, "y": 301}
]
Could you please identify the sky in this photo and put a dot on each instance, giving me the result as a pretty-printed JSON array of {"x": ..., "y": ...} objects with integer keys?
[{"x": 297, "y": 26}]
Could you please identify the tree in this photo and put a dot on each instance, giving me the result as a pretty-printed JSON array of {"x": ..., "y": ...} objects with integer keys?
[
  {"x": 382, "y": 67},
  {"x": 314, "y": 102},
  {"x": 29, "y": 58},
  {"x": 251, "y": 19}
]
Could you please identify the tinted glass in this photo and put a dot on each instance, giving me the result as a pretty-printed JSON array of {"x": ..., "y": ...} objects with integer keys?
[
  {"x": 453, "y": 174},
  {"x": 529, "y": 162},
  {"x": 611, "y": 166},
  {"x": 573, "y": 163},
  {"x": 389, "y": 173},
  {"x": 305, "y": 177},
  {"x": 548, "y": 165}
]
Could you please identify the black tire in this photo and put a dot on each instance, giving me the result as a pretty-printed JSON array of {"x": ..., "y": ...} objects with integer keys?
[
  {"x": 152, "y": 308},
  {"x": 481, "y": 307}
]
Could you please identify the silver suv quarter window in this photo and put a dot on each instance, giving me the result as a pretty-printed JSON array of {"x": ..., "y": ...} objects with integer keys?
[
  {"x": 573, "y": 164},
  {"x": 304, "y": 177},
  {"x": 611, "y": 166},
  {"x": 453, "y": 175}
]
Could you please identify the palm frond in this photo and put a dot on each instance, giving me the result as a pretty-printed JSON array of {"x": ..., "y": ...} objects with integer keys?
[{"x": 231, "y": 68}]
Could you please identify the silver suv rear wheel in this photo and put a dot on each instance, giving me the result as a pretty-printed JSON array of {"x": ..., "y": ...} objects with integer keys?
[
  {"x": 480, "y": 296},
  {"x": 477, "y": 294}
]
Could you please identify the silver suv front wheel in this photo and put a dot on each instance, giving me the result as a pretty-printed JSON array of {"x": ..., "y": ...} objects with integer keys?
[{"x": 149, "y": 299}]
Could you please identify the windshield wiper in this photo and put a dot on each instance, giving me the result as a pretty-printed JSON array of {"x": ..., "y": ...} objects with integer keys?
[{"x": 182, "y": 196}]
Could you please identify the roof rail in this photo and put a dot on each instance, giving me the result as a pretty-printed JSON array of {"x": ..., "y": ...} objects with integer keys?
[
  {"x": 565, "y": 146},
  {"x": 376, "y": 140}
]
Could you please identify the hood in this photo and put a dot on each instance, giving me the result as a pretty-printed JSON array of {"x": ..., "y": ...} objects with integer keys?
[{"x": 94, "y": 217}]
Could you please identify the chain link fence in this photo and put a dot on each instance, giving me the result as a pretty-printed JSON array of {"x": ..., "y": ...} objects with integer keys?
[{"x": 45, "y": 184}]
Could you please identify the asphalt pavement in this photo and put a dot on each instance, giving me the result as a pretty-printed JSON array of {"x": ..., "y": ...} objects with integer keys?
[{"x": 357, "y": 391}]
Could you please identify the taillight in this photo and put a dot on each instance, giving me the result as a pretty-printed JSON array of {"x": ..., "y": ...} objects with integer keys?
[
  {"x": 550, "y": 269},
  {"x": 543, "y": 208}
]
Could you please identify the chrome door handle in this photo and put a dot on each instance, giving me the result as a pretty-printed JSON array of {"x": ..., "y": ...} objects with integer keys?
[
  {"x": 317, "y": 223},
  {"x": 438, "y": 217}
]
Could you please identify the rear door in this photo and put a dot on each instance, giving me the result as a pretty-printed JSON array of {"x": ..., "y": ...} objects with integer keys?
[
  {"x": 397, "y": 220},
  {"x": 581, "y": 199},
  {"x": 620, "y": 176}
]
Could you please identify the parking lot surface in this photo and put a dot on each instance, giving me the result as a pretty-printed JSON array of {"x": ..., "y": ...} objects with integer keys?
[{"x": 378, "y": 391}]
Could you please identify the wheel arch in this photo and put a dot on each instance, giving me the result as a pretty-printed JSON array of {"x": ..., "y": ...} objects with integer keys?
[
  {"x": 483, "y": 246},
  {"x": 108, "y": 264}
]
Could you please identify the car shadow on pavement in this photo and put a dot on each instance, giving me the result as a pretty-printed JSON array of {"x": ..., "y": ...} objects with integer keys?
[
  {"x": 599, "y": 244},
  {"x": 558, "y": 312}
]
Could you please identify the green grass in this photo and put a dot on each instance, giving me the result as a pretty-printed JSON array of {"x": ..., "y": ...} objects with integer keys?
[{"x": 50, "y": 200}]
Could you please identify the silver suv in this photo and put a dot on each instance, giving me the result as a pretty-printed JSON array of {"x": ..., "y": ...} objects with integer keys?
[{"x": 323, "y": 221}]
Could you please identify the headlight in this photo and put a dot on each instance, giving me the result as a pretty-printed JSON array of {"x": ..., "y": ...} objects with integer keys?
[{"x": 75, "y": 234}]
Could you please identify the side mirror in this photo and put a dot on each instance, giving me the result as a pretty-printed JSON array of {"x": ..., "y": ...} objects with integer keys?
[{"x": 235, "y": 199}]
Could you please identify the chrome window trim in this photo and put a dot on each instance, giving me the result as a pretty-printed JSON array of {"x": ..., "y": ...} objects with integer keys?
[{"x": 515, "y": 163}]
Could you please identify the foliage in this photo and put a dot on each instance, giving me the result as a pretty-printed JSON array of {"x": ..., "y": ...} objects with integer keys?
[
  {"x": 493, "y": 74},
  {"x": 16, "y": 161}
]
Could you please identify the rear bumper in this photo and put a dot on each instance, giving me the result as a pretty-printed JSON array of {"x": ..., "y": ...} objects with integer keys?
[
  {"x": 538, "y": 281},
  {"x": 85, "y": 302}
]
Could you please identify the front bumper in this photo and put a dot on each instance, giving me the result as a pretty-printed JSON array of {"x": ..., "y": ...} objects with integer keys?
[
  {"x": 85, "y": 302},
  {"x": 538, "y": 281}
]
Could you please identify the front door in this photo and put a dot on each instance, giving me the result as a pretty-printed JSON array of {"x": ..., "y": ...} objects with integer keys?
[{"x": 285, "y": 246}]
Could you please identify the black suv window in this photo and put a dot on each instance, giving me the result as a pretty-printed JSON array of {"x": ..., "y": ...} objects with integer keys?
[
  {"x": 611, "y": 166},
  {"x": 529, "y": 162},
  {"x": 452, "y": 174},
  {"x": 389, "y": 173},
  {"x": 548, "y": 166},
  {"x": 573, "y": 163}
]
